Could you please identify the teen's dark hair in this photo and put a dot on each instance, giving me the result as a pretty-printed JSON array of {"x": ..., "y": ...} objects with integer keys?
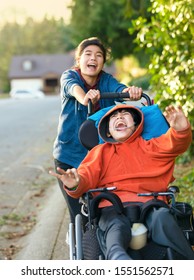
[{"x": 88, "y": 42}]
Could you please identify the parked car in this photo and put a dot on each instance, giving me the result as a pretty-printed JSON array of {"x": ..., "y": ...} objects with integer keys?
[{"x": 26, "y": 93}]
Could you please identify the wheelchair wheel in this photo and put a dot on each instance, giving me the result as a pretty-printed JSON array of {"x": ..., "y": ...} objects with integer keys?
[
  {"x": 72, "y": 251},
  {"x": 78, "y": 237},
  {"x": 75, "y": 239}
]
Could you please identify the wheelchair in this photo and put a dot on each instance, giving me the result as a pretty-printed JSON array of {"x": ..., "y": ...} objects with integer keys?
[{"x": 83, "y": 237}]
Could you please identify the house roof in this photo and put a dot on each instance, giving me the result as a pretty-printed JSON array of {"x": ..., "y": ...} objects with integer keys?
[{"x": 39, "y": 65}]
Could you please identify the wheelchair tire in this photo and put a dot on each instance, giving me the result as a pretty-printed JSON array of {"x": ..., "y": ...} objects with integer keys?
[
  {"x": 71, "y": 233},
  {"x": 78, "y": 237}
]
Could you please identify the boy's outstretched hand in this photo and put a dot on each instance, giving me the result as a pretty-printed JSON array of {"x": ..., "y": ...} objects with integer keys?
[
  {"x": 176, "y": 117},
  {"x": 70, "y": 177}
]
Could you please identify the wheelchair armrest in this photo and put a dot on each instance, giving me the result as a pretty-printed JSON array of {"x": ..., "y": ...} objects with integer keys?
[{"x": 111, "y": 197}]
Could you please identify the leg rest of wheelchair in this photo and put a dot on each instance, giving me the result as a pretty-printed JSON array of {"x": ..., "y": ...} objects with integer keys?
[
  {"x": 91, "y": 248},
  {"x": 153, "y": 251}
]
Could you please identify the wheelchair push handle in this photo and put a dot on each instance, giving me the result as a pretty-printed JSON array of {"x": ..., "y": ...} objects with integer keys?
[
  {"x": 156, "y": 194},
  {"x": 105, "y": 189},
  {"x": 117, "y": 95}
]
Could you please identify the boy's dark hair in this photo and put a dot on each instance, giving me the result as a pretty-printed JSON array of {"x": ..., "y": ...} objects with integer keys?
[
  {"x": 104, "y": 125},
  {"x": 136, "y": 117},
  {"x": 88, "y": 42}
]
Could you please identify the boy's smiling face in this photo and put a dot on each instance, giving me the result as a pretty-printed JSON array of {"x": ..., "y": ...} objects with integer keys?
[{"x": 121, "y": 125}]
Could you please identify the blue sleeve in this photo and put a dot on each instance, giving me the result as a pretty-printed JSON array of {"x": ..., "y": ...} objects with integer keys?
[
  {"x": 108, "y": 83},
  {"x": 68, "y": 80}
]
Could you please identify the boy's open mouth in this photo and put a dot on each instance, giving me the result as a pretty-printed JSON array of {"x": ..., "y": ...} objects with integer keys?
[{"x": 120, "y": 126}]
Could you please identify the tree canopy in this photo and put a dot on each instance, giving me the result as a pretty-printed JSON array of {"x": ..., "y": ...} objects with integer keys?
[
  {"x": 169, "y": 39},
  {"x": 48, "y": 36},
  {"x": 108, "y": 20}
]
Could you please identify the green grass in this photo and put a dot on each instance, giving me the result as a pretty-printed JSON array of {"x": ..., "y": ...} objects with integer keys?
[
  {"x": 184, "y": 174},
  {"x": 4, "y": 95}
]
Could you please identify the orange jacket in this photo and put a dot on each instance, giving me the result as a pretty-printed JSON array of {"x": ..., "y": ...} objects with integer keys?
[{"x": 134, "y": 166}]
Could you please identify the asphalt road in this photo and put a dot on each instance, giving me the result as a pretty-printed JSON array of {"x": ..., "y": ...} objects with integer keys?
[{"x": 27, "y": 132}]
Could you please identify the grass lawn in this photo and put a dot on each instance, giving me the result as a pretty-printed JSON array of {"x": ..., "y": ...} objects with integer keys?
[
  {"x": 4, "y": 95},
  {"x": 184, "y": 174}
]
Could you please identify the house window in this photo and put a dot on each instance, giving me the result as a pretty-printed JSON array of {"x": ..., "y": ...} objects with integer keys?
[
  {"x": 27, "y": 65},
  {"x": 51, "y": 82}
]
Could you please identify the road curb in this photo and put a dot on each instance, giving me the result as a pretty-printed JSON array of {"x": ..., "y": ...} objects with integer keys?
[{"x": 40, "y": 242}]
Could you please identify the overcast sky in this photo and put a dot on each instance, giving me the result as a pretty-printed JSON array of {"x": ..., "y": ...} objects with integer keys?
[{"x": 19, "y": 9}]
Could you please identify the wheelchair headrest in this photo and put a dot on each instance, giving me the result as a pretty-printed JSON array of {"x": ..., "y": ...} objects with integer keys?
[
  {"x": 111, "y": 197},
  {"x": 88, "y": 134}
]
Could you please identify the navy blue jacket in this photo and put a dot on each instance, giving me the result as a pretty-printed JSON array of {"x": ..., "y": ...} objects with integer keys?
[{"x": 67, "y": 147}]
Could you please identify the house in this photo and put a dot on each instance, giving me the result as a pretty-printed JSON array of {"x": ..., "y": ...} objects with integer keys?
[{"x": 41, "y": 71}]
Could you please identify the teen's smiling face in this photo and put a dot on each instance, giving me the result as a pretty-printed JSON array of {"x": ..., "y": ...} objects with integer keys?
[
  {"x": 121, "y": 125},
  {"x": 91, "y": 61}
]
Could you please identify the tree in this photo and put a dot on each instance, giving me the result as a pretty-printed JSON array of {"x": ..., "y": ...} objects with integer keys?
[
  {"x": 47, "y": 36},
  {"x": 169, "y": 39},
  {"x": 108, "y": 20}
]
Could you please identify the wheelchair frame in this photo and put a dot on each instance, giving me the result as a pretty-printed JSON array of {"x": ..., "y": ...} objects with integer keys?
[{"x": 76, "y": 231}]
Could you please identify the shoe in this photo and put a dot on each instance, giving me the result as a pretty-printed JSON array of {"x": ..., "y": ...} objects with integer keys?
[{"x": 118, "y": 253}]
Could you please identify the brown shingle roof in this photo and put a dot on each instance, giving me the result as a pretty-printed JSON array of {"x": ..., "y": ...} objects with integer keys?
[{"x": 41, "y": 65}]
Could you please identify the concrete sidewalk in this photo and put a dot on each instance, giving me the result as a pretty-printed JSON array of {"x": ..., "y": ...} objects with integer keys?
[{"x": 46, "y": 241}]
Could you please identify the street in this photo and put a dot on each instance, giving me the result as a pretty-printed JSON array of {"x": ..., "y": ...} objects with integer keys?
[{"x": 27, "y": 131}]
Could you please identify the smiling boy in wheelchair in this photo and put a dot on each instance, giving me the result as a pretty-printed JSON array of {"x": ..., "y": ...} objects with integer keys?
[{"x": 133, "y": 165}]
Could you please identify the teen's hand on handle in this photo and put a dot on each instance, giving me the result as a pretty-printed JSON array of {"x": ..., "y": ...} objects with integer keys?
[
  {"x": 135, "y": 93},
  {"x": 70, "y": 177},
  {"x": 93, "y": 95},
  {"x": 176, "y": 117}
]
